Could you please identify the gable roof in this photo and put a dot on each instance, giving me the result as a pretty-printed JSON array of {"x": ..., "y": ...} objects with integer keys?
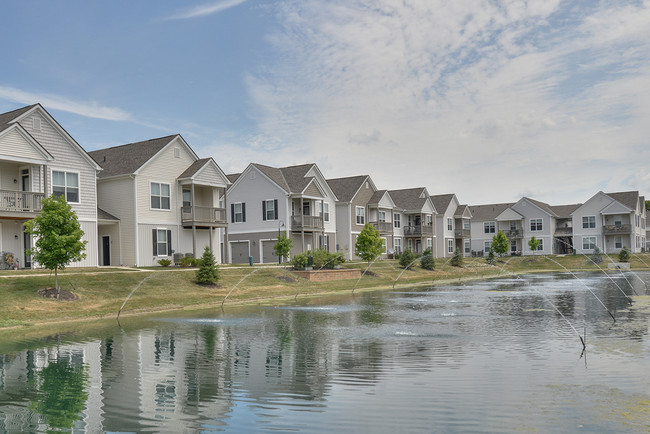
[
  {"x": 295, "y": 177},
  {"x": 565, "y": 211},
  {"x": 628, "y": 198},
  {"x": 346, "y": 188},
  {"x": 6, "y": 119},
  {"x": 103, "y": 215},
  {"x": 127, "y": 159},
  {"x": 488, "y": 212},
  {"x": 462, "y": 210},
  {"x": 233, "y": 177},
  {"x": 194, "y": 168},
  {"x": 442, "y": 201},
  {"x": 411, "y": 199}
]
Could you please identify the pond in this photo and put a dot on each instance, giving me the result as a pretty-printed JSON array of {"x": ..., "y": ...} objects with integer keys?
[{"x": 497, "y": 355}]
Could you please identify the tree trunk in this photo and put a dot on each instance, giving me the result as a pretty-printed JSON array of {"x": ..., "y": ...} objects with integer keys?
[{"x": 56, "y": 283}]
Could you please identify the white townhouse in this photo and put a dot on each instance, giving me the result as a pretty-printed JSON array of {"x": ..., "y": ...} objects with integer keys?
[
  {"x": 265, "y": 201},
  {"x": 611, "y": 221},
  {"x": 359, "y": 202},
  {"x": 39, "y": 158},
  {"x": 160, "y": 201},
  {"x": 484, "y": 225},
  {"x": 413, "y": 220},
  {"x": 452, "y": 226}
]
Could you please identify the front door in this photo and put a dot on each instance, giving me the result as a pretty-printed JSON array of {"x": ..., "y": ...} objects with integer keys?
[
  {"x": 27, "y": 243},
  {"x": 24, "y": 181},
  {"x": 106, "y": 250}
]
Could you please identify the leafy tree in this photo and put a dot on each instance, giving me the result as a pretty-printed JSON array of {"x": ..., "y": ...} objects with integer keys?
[
  {"x": 624, "y": 255},
  {"x": 407, "y": 258},
  {"x": 58, "y": 235},
  {"x": 457, "y": 259},
  {"x": 533, "y": 243},
  {"x": 283, "y": 246},
  {"x": 500, "y": 243},
  {"x": 208, "y": 273},
  {"x": 369, "y": 244},
  {"x": 426, "y": 261}
]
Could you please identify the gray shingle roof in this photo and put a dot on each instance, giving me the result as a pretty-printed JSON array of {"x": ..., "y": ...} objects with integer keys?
[
  {"x": 546, "y": 207},
  {"x": 6, "y": 118},
  {"x": 103, "y": 215},
  {"x": 627, "y": 198},
  {"x": 461, "y": 210},
  {"x": 565, "y": 211},
  {"x": 376, "y": 197},
  {"x": 409, "y": 199},
  {"x": 274, "y": 174},
  {"x": 295, "y": 177},
  {"x": 127, "y": 159},
  {"x": 194, "y": 167},
  {"x": 233, "y": 177},
  {"x": 346, "y": 188},
  {"x": 488, "y": 212},
  {"x": 441, "y": 201}
]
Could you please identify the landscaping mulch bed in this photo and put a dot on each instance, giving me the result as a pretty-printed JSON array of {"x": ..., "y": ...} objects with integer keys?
[{"x": 63, "y": 294}]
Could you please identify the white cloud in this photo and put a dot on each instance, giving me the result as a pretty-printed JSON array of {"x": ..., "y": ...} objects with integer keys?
[
  {"x": 204, "y": 10},
  {"x": 56, "y": 102}
]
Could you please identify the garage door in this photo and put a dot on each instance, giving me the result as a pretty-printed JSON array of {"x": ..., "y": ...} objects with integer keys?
[
  {"x": 268, "y": 256},
  {"x": 239, "y": 252}
]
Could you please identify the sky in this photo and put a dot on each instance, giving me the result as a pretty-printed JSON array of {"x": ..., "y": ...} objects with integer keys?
[{"x": 490, "y": 100}]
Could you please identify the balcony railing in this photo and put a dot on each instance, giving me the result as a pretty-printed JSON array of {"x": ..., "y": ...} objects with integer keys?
[
  {"x": 383, "y": 227},
  {"x": 513, "y": 233},
  {"x": 560, "y": 232},
  {"x": 21, "y": 201},
  {"x": 617, "y": 229},
  {"x": 206, "y": 215},
  {"x": 418, "y": 230},
  {"x": 306, "y": 222},
  {"x": 462, "y": 233}
]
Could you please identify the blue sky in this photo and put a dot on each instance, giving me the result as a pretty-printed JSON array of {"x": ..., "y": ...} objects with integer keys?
[{"x": 490, "y": 100}]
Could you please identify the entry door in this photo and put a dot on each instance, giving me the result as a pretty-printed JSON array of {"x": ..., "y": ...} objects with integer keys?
[
  {"x": 27, "y": 243},
  {"x": 25, "y": 185},
  {"x": 106, "y": 250}
]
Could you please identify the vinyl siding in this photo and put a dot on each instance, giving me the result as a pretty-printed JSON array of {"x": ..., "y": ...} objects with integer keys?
[
  {"x": 90, "y": 235},
  {"x": 116, "y": 197},
  {"x": 145, "y": 242},
  {"x": 209, "y": 175},
  {"x": 13, "y": 144}
]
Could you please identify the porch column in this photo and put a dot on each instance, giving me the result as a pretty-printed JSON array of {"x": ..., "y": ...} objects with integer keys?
[
  {"x": 45, "y": 188},
  {"x": 302, "y": 222},
  {"x": 193, "y": 221},
  {"x": 225, "y": 258},
  {"x": 322, "y": 221}
]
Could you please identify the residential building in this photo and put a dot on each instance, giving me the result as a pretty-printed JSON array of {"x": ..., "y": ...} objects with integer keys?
[
  {"x": 161, "y": 201},
  {"x": 413, "y": 219},
  {"x": 266, "y": 201},
  {"x": 611, "y": 221},
  {"x": 453, "y": 230},
  {"x": 39, "y": 158},
  {"x": 484, "y": 225}
]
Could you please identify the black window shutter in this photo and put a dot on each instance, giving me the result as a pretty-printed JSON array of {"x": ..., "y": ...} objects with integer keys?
[
  {"x": 263, "y": 210},
  {"x": 154, "y": 235},
  {"x": 169, "y": 243},
  {"x": 243, "y": 212},
  {"x": 232, "y": 213},
  {"x": 275, "y": 207}
]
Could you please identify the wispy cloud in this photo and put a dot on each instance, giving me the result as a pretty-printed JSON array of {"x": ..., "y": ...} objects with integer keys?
[
  {"x": 56, "y": 102},
  {"x": 481, "y": 100},
  {"x": 203, "y": 10}
]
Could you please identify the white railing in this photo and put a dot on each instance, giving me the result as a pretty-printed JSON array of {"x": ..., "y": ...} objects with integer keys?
[
  {"x": 23, "y": 201},
  {"x": 203, "y": 214}
]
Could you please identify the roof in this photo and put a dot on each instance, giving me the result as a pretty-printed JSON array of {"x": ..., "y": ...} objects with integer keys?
[
  {"x": 442, "y": 201},
  {"x": 7, "y": 118},
  {"x": 488, "y": 212},
  {"x": 346, "y": 188},
  {"x": 103, "y": 215},
  {"x": 565, "y": 211},
  {"x": 546, "y": 207},
  {"x": 127, "y": 159},
  {"x": 410, "y": 198},
  {"x": 627, "y": 198},
  {"x": 295, "y": 177},
  {"x": 233, "y": 177},
  {"x": 377, "y": 195},
  {"x": 274, "y": 174},
  {"x": 194, "y": 167},
  {"x": 460, "y": 210}
]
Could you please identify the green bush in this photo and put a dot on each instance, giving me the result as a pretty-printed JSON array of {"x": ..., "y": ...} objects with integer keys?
[
  {"x": 208, "y": 273},
  {"x": 188, "y": 261},
  {"x": 427, "y": 262},
  {"x": 407, "y": 258},
  {"x": 457, "y": 259},
  {"x": 490, "y": 257},
  {"x": 299, "y": 261},
  {"x": 164, "y": 262},
  {"x": 624, "y": 255},
  {"x": 597, "y": 255}
]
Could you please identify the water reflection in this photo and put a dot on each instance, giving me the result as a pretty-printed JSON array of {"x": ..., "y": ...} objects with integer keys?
[{"x": 407, "y": 360}]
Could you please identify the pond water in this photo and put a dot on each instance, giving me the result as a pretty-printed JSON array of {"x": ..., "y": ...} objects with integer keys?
[{"x": 499, "y": 355}]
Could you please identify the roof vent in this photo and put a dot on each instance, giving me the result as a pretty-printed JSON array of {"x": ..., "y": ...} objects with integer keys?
[
  {"x": 177, "y": 153},
  {"x": 36, "y": 123}
]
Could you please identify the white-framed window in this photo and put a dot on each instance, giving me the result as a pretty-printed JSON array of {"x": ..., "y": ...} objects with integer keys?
[
  {"x": 618, "y": 220},
  {"x": 238, "y": 211},
  {"x": 468, "y": 247},
  {"x": 540, "y": 246},
  {"x": 361, "y": 215},
  {"x": 270, "y": 209},
  {"x": 535, "y": 224},
  {"x": 450, "y": 246},
  {"x": 618, "y": 242},
  {"x": 397, "y": 220},
  {"x": 66, "y": 184},
  {"x": 162, "y": 242},
  {"x": 160, "y": 196},
  {"x": 429, "y": 220},
  {"x": 430, "y": 244},
  {"x": 466, "y": 224},
  {"x": 382, "y": 216},
  {"x": 187, "y": 197},
  {"x": 489, "y": 227},
  {"x": 513, "y": 225},
  {"x": 324, "y": 211},
  {"x": 513, "y": 246},
  {"x": 398, "y": 245},
  {"x": 588, "y": 243},
  {"x": 589, "y": 222},
  {"x": 486, "y": 246},
  {"x": 450, "y": 224}
]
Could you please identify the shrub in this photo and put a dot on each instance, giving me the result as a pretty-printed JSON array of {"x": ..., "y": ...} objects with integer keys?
[
  {"x": 188, "y": 261},
  {"x": 457, "y": 259},
  {"x": 490, "y": 257},
  {"x": 299, "y": 261},
  {"x": 427, "y": 262},
  {"x": 597, "y": 255},
  {"x": 164, "y": 262},
  {"x": 208, "y": 273},
  {"x": 407, "y": 258},
  {"x": 624, "y": 255}
]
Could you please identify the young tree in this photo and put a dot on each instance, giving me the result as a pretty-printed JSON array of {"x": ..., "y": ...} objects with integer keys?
[
  {"x": 58, "y": 237},
  {"x": 500, "y": 243},
  {"x": 597, "y": 255},
  {"x": 533, "y": 243},
  {"x": 208, "y": 273},
  {"x": 407, "y": 258},
  {"x": 282, "y": 247},
  {"x": 624, "y": 255},
  {"x": 457, "y": 259},
  {"x": 369, "y": 244}
]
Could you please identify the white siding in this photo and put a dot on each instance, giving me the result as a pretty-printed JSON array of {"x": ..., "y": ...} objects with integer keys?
[
  {"x": 14, "y": 144},
  {"x": 209, "y": 175},
  {"x": 145, "y": 242},
  {"x": 90, "y": 235},
  {"x": 116, "y": 197}
]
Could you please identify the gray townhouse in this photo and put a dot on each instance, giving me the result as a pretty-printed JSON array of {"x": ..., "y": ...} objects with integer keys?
[
  {"x": 453, "y": 221},
  {"x": 413, "y": 220}
]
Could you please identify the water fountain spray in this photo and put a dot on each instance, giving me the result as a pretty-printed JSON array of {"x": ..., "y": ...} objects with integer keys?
[
  {"x": 237, "y": 284},
  {"x": 131, "y": 293}
]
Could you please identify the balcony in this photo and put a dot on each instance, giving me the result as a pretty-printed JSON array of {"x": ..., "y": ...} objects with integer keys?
[
  {"x": 383, "y": 227},
  {"x": 462, "y": 233},
  {"x": 513, "y": 233},
  {"x": 617, "y": 229},
  {"x": 563, "y": 232},
  {"x": 203, "y": 216},
  {"x": 418, "y": 231},
  {"x": 19, "y": 204},
  {"x": 306, "y": 223}
]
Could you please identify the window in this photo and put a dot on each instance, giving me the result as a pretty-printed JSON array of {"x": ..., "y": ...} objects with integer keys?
[
  {"x": 589, "y": 222},
  {"x": 535, "y": 224},
  {"x": 187, "y": 197},
  {"x": 489, "y": 227},
  {"x": 588, "y": 243},
  {"x": 398, "y": 245},
  {"x": 450, "y": 246},
  {"x": 397, "y": 220},
  {"x": 382, "y": 217},
  {"x": 468, "y": 248},
  {"x": 618, "y": 241},
  {"x": 361, "y": 215},
  {"x": 160, "y": 196},
  {"x": 162, "y": 242},
  {"x": 66, "y": 184},
  {"x": 513, "y": 226},
  {"x": 270, "y": 209},
  {"x": 430, "y": 244},
  {"x": 618, "y": 220},
  {"x": 540, "y": 246},
  {"x": 486, "y": 246},
  {"x": 429, "y": 219},
  {"x": 326, "y": 214},
  {"x": 466, "y": 224},
  {"x": 237, "y": 212},
  {"x": 513, "y": 246},
  {"x": 306, "y": 208},
  {"x": 450, "y": 224}
]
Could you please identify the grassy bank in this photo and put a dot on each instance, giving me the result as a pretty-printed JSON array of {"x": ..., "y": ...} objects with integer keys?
[{"x": 102, "y": 292}]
